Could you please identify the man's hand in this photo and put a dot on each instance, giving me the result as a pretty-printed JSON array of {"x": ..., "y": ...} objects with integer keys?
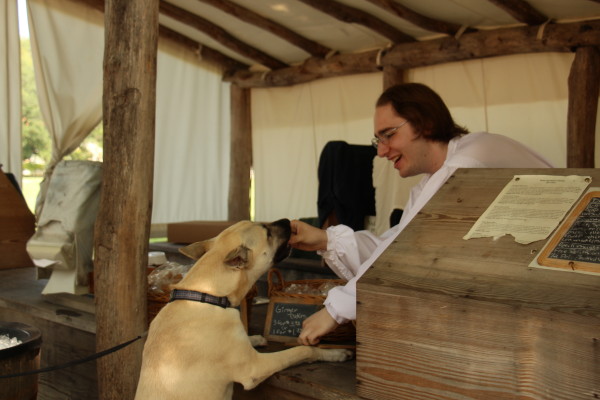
[
  {"x": 316, "y": 326},
  {"x": 307, "y": 237}
]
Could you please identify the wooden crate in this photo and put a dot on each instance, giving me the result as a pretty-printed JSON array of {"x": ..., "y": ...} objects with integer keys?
[
  {"x": 17, "y": 225},
  {"x": 446, "y": 318}
]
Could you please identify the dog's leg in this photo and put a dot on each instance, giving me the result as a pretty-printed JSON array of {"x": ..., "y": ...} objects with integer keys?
[
  {"x": 257, "y": 340},
  {"x": 267, "y": 364}
]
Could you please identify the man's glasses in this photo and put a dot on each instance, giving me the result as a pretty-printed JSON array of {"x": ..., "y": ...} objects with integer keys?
[{"x": 385, "y": 136}]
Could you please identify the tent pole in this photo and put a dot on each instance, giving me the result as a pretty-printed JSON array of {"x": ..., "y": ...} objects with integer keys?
[{"x": 123, "y": 225}]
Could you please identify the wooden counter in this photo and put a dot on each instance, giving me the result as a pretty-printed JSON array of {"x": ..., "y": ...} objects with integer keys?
[
  {"x": 68, "y": 333},
  {"x": 67, "y": 323},
  {"x": 446, "y": 318}
]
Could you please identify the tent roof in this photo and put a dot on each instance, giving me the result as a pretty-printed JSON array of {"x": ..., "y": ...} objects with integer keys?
[
  {"x": 318, "y": 38},
  {"x": 268, "y": 34}
]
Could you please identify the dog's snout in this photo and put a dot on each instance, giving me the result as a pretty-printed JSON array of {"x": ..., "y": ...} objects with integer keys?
[
  {"x": 282, "y": 230},
  {"x": 282, "y": 227}
]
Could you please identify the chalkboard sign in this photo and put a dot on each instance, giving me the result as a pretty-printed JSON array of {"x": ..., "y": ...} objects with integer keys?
[
  {"x": 285, "y": 316},
  {"x": 576, "y": 244}
]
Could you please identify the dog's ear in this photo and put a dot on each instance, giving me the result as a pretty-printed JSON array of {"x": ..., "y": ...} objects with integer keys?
[
  {"x": 196, "y": 250},
  {"x": 237, "y": 258}
]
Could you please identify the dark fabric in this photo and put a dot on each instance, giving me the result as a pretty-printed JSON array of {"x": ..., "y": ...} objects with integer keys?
[
  {"x": 346, "y": 183},
  {"x": 395, "y": 216}
]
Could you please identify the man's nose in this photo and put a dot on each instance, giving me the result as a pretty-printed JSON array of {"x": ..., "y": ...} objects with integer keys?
[{"x": 382, "y": 149}]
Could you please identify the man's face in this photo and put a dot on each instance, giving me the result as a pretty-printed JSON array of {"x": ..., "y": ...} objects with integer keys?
[{"x": 409, "y": 152}]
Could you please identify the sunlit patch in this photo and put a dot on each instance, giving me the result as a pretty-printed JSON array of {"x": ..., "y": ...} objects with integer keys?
[{"x": 280, "y": 7}]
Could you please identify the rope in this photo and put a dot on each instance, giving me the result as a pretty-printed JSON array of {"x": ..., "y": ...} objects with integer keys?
[{"x": 75, "y": 362}]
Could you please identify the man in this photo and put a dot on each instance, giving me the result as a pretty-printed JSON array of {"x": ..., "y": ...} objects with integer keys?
[{"x": 415, "y": 131}]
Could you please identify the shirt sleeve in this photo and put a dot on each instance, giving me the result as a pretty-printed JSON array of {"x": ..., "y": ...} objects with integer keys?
[
  {"x": 347, "y": 249},
  {"x": 341, "y": 302}
]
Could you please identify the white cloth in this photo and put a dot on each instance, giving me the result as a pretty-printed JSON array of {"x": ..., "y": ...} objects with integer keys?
[{"x": 350, "y": 254}]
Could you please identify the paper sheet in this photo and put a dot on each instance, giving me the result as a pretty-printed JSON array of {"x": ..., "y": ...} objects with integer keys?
[{"x": 529, "y": 207}]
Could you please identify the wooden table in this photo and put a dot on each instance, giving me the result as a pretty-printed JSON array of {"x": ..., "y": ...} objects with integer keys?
[
  {"x": 68, "y": 332},
  {"x": 68, "y": 325}
]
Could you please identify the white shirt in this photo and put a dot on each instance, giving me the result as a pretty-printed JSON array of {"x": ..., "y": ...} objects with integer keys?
[{"x": 349, "y": 254}]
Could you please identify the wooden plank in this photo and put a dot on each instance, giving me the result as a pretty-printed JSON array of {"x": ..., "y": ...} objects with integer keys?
[
  {"x": 123, "y": 224},
  {"x": 584, "y": 89},
  {"x": 442, "y": 317},
  {"x": 240, "y": 155}
]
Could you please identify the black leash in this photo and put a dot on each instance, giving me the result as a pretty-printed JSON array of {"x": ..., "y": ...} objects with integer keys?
[{"x": 75, "y": 362}]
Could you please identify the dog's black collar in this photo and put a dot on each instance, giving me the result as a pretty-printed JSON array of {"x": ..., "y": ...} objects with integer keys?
[{"x": 192, "y": 295}]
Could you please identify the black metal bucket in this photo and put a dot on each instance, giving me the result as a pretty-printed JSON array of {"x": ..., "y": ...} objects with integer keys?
[{"x": 17, "y": 359}]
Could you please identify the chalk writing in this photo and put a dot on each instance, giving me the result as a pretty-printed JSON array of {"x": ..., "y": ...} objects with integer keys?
[
  {"x": 286, "y": 318},
  {"x": 581, "y": 242}
]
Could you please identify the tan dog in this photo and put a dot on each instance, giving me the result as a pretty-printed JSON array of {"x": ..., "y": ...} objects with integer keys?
[{"x": 197, "y": 346}]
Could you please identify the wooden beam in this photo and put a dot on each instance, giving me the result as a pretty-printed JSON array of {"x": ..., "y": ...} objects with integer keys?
[
  {"x": 220, "y": 35},
  {"x": 312, "y": 69},
  {"x": 493, "y": 43},
  {"x": 206, "y": 53},
  {"x": 584, "y": 89},
  {"x": 522, "y": 11},
  {"x": 222, "y": 61},
  {"x": 311, "y": 47},
  {"x": 419, "y": 20},
  {"x": 123, "y": 224},
  {"x": 481, "y": 44},
  {"x": 354, "y": 15},
  {"x": 241, "y": 154},
  {"x": 393, "y": 76}
]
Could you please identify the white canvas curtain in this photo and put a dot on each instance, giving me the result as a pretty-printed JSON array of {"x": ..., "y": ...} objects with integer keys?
[
  {"x": 523, "y": 97},
  {"x": 10, "y": 94},
  {"x": 191, "y": 168},
  {"x": 192, "y": 111},
  {"x": 68, "y": 77},
  {"x": 290, "y": 127}
]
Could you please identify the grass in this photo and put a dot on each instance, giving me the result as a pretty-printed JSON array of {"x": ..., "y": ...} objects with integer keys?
[{"x": 30, "y": 189}]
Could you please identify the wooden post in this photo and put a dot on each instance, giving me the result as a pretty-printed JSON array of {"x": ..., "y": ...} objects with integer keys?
[
  {"x": 393, "y": 76},
  {"x": 584, "y": 88},
  {"x": 241, "y": 154},
  {"x": 123, "y": 225}
]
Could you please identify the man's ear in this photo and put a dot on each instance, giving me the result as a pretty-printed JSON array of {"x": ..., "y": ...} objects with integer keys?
[
  {"x": 197, "y": 250},
  {"x": 238, "y": 258}
]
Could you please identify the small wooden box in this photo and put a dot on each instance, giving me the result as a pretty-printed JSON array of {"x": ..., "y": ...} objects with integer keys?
[{"x": 446, "y": 318}]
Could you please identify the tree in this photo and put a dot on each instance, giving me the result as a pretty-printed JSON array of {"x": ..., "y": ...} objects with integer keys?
[{"x": 36, "y": 143}]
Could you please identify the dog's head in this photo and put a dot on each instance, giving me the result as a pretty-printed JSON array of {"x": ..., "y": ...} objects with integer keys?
[{"x": 229, "y": 264}]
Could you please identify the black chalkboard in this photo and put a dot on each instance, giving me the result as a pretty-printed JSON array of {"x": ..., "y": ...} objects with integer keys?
[
  {"x": 285, "y": 316},
  {"x": 576, "y": 244}
]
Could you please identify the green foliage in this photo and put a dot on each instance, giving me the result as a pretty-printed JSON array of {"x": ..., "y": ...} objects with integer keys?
[
  {"x": 37, "y": 150},
  {"x": 36, "y": 142}
]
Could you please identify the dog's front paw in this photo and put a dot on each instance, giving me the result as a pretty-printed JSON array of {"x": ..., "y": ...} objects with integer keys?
[
  {"x": 257, "y": 341},
  {"x": 336, "y": 355}
]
